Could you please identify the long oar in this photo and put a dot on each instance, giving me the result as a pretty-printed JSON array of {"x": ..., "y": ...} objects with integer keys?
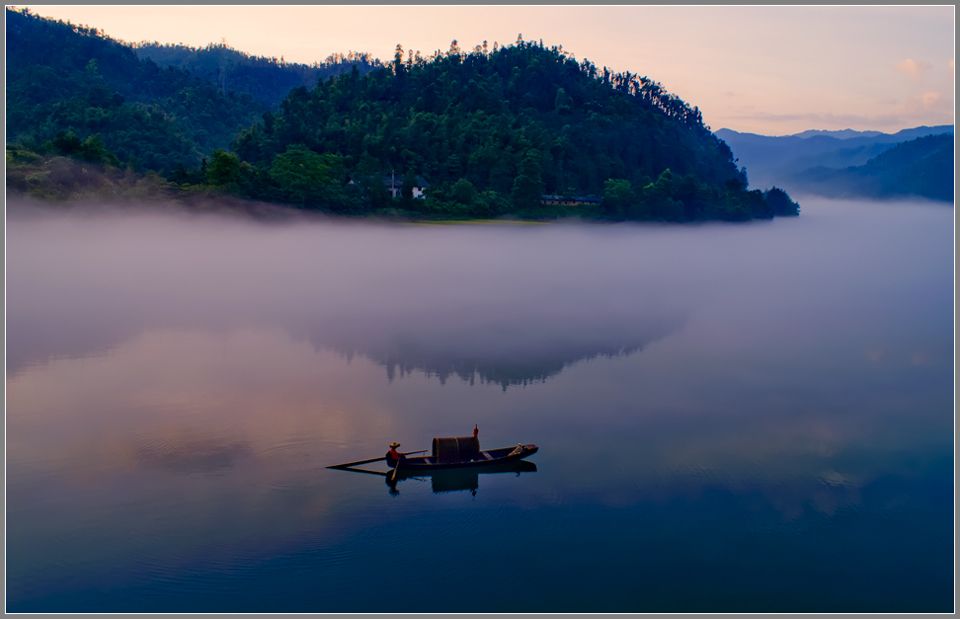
[
  {"x": 340, "y": 466},
  {"x": 392, "y": 477},
  {"x": 353, "y": 470}
]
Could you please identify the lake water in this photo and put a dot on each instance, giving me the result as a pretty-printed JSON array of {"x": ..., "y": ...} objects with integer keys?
[{"x": 753, "y": 417}]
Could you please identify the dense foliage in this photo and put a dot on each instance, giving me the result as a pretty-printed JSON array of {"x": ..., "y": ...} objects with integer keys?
[
  {"x": 493, "y": 131},
  {"x": 267, "y": 80},
  {"x": 65, "y": 78}
]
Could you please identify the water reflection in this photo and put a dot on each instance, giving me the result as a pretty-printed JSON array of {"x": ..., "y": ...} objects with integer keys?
[
  {"x": 447, "y": 480},
  {"x": 463, "y": 479},
  {"x": 519, "y": 348},
  {"x": 458, "y": 302},
  {"x": 761, "y": 414}
]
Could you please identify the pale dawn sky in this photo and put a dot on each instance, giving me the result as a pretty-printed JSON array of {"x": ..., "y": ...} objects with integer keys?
[{"x": 773, "y": 70}]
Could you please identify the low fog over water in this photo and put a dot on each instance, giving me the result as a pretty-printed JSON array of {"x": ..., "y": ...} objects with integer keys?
[
  {"x": 429, "y": 297},
  {"x": 79, "y": 285},
  {"x": 732, "y": 401}
]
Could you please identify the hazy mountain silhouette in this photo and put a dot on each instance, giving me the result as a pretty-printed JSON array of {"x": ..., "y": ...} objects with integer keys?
[
  {"x": 785, "y": 160},
  {"x": 922, "y": 167},
  {"x": 842, "y": 134}
]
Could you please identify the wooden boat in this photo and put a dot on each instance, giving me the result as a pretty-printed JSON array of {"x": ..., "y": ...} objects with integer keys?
[
  {"x": 446, "y": 458},
  {"x": 449, "y": 453}
]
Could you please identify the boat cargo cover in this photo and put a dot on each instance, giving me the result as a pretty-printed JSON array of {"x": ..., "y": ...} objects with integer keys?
[{"x": 457, "y": 449}]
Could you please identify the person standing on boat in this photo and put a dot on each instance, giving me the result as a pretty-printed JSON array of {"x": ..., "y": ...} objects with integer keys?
[
  {"x": 476, "y": 455},
  {"x": 394, "y": 456}
]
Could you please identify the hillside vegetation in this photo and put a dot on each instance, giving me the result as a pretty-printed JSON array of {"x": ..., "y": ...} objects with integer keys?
[
  {"x": 491, "y": 132},
  {"x": 63, "y": 78},
  {"x": 266, "y": 80}
]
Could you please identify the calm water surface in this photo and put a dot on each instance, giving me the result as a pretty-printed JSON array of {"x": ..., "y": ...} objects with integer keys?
[{"x": 747, "y": 417}]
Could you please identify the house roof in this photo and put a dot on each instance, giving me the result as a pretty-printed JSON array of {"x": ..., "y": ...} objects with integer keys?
[
  {"x": 395, "y": 181},
  {"x": 558, "y": 198}
]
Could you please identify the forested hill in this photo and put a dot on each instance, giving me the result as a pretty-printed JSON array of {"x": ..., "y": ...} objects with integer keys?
[
  {"x": 476, "y": 115},
  {"x": 493, "y": 130},
  {"x": 67, "y": 78},
  {"x": 521, "y": 130},
  {"x": 267, "y": 80}
]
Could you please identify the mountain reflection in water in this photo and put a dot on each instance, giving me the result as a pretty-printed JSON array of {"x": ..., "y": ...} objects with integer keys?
[
  {"x": 731, "y": 418},
  {"x": 516, "y": 350},
  {"x": 452, "y": 305}
]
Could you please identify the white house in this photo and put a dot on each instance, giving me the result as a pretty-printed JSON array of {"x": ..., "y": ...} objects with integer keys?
[{"x": 394, "y": 184}]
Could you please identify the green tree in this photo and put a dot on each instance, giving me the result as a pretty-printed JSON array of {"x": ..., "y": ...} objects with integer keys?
[
  {"x": 94, "y": 151},
  {"x": 758, "y": 207},
  {"x": 660, "y": 200},
  {"x": 528, "y": 184},
  {"x": 67, "y": 143},
  {"x": 618, "y": 198},
  {"x": 733, "y": 207},
  {"x": 463, "y": 192},
  {"x": 562, "y": 103},
  {"x": 309, "y": 179},
  {"x": 223, "y": 170},
  {"x": 780, "y": 203}
]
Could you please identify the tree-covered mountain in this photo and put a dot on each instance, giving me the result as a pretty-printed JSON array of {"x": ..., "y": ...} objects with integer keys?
[
  {"x": 267, "y": 80},
  {"x": 921, "y": 167},
  {"x": 67, "y": 79},
  {"x": 522, "y": 130},
  {"x": 493, "y": 131}
]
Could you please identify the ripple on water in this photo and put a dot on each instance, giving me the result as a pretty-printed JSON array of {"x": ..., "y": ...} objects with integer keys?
[
  {"x": 293, "y": 446},
  {"x": 189, "y": 454}
]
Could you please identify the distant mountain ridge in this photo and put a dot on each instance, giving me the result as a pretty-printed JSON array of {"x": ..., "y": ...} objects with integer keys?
[
  {"x": 841, "y": 134},
  {"x": 267, "y": 80},
  {"x": 921, "y": 167},
  {"x": 845, "y": 134},
  {"x": 786, "y": 160}
]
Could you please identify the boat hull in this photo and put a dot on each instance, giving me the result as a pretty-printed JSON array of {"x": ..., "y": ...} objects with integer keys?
[{"x": 488, "y": 458}]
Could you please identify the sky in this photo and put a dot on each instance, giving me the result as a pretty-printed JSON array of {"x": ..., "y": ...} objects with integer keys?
[{"x": 773, "y": 70}]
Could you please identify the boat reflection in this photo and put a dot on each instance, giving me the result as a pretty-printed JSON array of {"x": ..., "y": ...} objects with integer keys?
[
  {"x": 458, "y": 480},
  {"x": 449, "y": 480}
]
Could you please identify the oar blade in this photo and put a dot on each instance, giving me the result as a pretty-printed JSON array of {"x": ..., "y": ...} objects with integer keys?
[
  {"x": 353, "y": 470},
  {"x": 341, "y": 466}
]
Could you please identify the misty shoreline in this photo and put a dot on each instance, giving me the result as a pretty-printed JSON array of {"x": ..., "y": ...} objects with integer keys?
[{"x": 232, "y": 208}]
